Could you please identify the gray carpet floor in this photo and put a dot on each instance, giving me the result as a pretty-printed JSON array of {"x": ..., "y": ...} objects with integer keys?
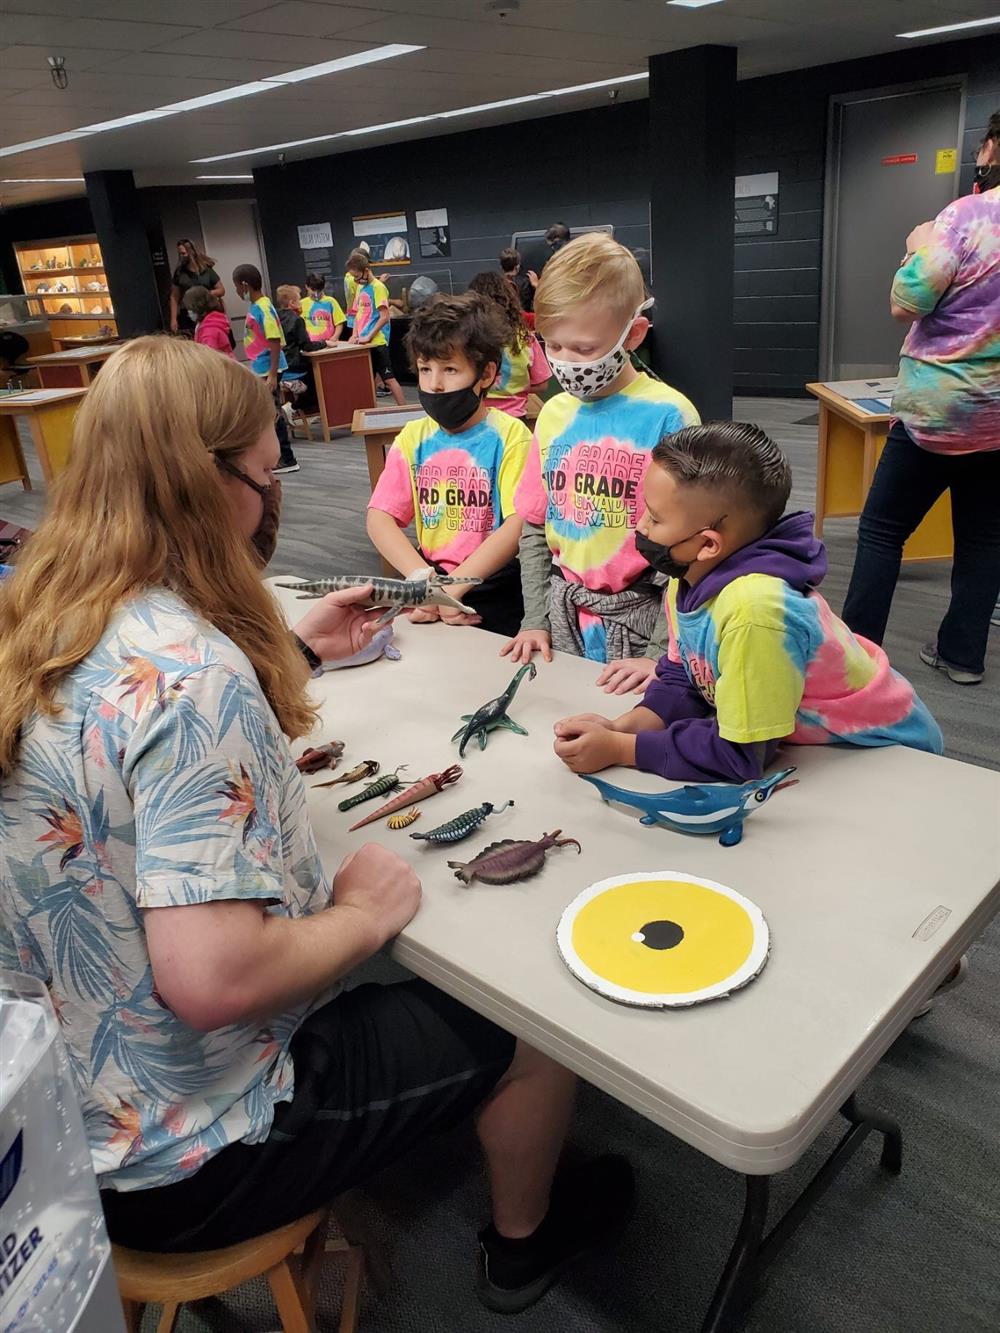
[{"x": 914, "y": 1254}]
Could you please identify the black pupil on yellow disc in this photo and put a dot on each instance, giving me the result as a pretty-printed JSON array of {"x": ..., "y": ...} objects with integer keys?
[{"x": 661, "y": 934}]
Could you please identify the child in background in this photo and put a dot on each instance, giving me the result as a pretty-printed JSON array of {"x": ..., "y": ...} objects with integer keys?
[
  {"x": 524, "y": 368},
  {"x": 453, "y": 473},
  {"x": 755, "y": 654},
  {"x": 298, "y": 382},
  {"x": 587, "y": 590},
  {"x": 323, "y": 316},
  {"x": 212, "y": 327},
  {"x": 371, "y": 317},
  {"x": 523, "y": 283},
  {"x": 263, "y": 343},
  {"x": 355, "y": 258}
]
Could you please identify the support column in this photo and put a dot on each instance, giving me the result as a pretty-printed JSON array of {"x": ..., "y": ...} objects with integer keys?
[
  {"x": 128, "y": 265},
  {"x": 692, "y": 109}
]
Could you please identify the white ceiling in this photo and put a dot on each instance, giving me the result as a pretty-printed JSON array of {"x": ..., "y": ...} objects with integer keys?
[{"x": 126, "y": 56}]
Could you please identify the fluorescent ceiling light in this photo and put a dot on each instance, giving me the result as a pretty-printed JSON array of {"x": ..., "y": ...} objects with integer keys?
[
  {"x": 420, "y": 120},
  {"x": 951, "y": 27},
  {"x": 225, "y": 95},
  {"x": 223, "y": 178},
  {"x": 693, "y": 4},
  {"x": 42, "y": 180}
]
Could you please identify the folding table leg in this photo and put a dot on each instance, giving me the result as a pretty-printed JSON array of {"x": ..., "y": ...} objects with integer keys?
[{"x": 740, "y": 1274}]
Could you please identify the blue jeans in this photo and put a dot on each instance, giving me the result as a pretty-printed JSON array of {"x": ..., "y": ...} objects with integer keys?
[{"x": 907, "y": 482}]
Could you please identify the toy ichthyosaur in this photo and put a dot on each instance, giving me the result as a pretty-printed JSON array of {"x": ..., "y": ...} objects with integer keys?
[
  {"x": 493, "y": 714},
  {"x": 712, "y": 807},
  {"x": 396, "y": 595}
]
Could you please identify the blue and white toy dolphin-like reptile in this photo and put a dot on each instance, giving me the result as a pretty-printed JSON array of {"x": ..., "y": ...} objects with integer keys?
[
  {"x": 396, "y": 595},
  {"x": 712, "y": 807}
]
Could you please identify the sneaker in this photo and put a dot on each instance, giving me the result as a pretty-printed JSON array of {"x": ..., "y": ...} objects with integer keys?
[
  {"x": 954, "y": 978},
  {"x": 958, "y": 675},
  {"x": 590, "y": 1205},
  {"x": 282, "y": 468}
]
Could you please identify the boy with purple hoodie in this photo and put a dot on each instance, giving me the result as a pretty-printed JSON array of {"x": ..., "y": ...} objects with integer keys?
[{"x": 755, "y": 656}]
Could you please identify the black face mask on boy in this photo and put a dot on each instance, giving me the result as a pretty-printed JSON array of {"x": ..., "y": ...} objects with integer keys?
[
  {"x": 453, "y": 408},
  {"x": 661, "y": 559}
]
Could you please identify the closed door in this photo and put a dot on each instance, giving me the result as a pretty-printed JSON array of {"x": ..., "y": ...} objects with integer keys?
[
  {"x": 232, "y": 237},
  {"x": 888, "y": 170}
]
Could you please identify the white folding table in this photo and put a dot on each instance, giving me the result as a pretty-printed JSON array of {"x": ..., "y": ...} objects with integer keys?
[{"x": 874, "y": 873}]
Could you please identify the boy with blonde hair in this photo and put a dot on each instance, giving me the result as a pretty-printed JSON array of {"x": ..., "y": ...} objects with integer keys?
[{"x": 587, "y": 590}]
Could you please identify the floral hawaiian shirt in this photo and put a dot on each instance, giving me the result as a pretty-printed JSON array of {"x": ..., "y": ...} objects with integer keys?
[{"x": 164, "y": 780}]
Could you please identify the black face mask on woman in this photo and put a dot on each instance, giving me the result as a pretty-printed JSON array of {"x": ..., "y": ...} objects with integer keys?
[
  {"x": 265, "y": 535},
  {"x": 451, "y": 409},
  {"x": 987, "y": 177}
]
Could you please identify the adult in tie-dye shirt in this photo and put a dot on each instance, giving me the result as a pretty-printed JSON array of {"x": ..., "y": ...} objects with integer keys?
[{"x": 945, "y": 435}]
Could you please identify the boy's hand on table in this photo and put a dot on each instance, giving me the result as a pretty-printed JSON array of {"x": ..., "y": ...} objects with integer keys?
[
  {"x": 593, "y": 747},
  {"x": 575, "y": 725},
  {"x": 523, "y": 646},
  {"x": 450, "y": 616},
  {"x": 629, "y": 675}
]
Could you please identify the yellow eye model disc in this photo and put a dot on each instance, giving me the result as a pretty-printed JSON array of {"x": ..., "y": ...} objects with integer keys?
[{"x": 662, "y": 939}]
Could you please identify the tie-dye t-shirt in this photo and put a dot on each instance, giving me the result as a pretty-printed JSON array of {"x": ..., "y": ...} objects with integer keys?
[
  {"x": 322, "y": 317},
  {"x": 520, "y": 372},
  {"x": 584, "y": 474},
  {"x": 370, "y": 301},
  {"x": 455, "y": 489},
  {"x": 165, "y": 781},
  {"x": 948, "y": 393},
  {"x": 776, "y": 663},
  {"x": 350, "y": 287},
  {"x": 261, "y": 324}
]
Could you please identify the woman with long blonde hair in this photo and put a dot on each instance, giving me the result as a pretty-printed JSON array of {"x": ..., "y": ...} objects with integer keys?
[{"x": 158, "y": 870}]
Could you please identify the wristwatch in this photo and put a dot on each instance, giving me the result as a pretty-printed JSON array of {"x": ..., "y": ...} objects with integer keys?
[{"x": 315, "y": 661}]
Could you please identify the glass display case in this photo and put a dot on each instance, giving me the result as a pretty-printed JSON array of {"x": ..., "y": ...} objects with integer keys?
[{"x": 67, "y": 279}]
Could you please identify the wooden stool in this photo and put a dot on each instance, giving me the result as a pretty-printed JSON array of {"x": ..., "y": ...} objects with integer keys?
[{"x": 171, "y": 1279}]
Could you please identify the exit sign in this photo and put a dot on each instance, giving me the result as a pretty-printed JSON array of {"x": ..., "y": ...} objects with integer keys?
[{"x": 899, "y": 160}]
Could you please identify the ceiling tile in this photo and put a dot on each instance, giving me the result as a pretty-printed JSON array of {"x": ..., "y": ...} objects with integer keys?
[
  {"x": 302, "y": 18},
  {"x": 32, "y": 29},
  {"x": 293, "y": 52}
]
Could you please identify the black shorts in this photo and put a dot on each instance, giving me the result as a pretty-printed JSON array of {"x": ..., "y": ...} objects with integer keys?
[
  {"x": 377, "y": 1070},
  {"x": 382, "y": 362},
  {"x": 498, "y": 600}
]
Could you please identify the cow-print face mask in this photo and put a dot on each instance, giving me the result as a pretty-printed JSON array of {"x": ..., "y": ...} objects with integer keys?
[{"x": 586, "y": 379}]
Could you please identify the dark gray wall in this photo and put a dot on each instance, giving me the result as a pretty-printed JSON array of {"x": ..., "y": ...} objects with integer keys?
[
  {"x": 594, "y": 168},
  {"x": 581, "y": 169},
  {"x": 782, "y": 126}
]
